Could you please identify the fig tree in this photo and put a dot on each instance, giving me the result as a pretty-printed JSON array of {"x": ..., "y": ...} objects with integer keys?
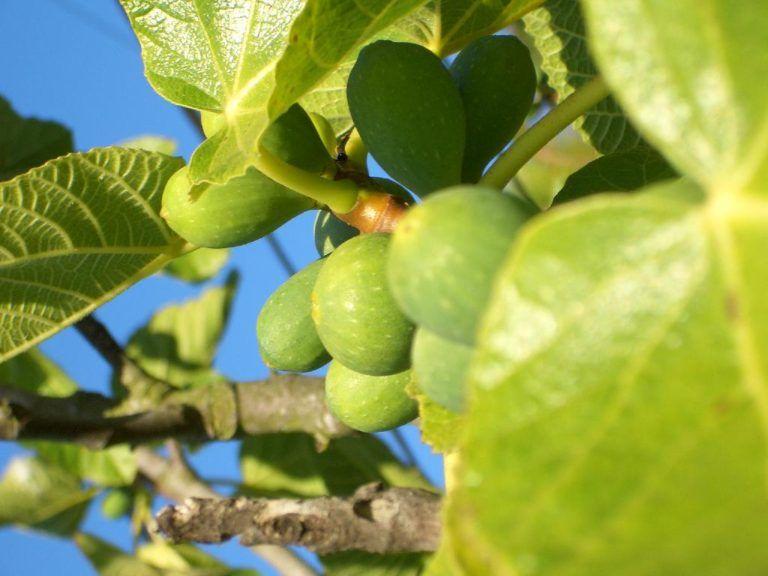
[
  {"x": 285, "y": 330},
  {"x": 409, "y": 114},
  {"x": 439, "y": 367},
  {"x": 497, "y": 82},
  {"x": 369, "y": 403},
  {"x": 445, "y": 253},
  {"x": 356, "y": 317},
  {"x": 223, "y": 215}
]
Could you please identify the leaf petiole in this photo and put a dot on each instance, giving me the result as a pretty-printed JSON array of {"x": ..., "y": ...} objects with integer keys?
[
  {"x": 537, "y": 136},
  {"x": 338, "y": 195}
]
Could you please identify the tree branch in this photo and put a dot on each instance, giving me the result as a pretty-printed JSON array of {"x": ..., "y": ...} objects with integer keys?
[
  {"x": 281, "y": 403},
  {"x": 175, "y": 480},
  {"x": 374, "y": 519}
]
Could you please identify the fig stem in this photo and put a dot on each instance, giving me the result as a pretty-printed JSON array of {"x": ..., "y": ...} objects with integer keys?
[
  {"x": 356, "y": 152},
  {"x": 338, "y": 195},
  {"x": 537, "y": 136}
]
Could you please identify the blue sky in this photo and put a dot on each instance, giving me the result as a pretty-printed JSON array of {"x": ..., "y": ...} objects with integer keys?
[{"x": 76, "y": 62}]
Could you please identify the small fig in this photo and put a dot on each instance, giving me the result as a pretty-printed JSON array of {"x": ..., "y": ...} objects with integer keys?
[
  {"x": 369, "y": 403},
  {"x": 286, "y": 333}
]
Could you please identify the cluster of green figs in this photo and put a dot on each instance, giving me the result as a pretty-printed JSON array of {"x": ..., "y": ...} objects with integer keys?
[{"x": 392, "y": 311}]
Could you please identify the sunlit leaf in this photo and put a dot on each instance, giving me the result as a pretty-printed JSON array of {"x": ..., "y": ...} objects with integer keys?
[
  {"x": 325, "y": 35},
  {"x": 218, "y": 56},
  {"x": 558, "y": 32},
  {"x": 618, "y": 422},
  {"x": 75, "y": 233},
  {"x": 690, "y": 75}
]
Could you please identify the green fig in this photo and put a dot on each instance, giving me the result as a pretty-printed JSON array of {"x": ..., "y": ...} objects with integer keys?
[
  {"x": 369, "y": 403},
  {"x": 409, "y": 114},
  {"x": 497, "y": 82},
  {"x": 223, "y": 215},
  {"x": 445, "y": 253},
  {"x": 286, "y": 333},
  {"x": 330, "y": 232},
  {"x": 326, "y": 132},
  {"x": 294, "y": 139},
  {"x": 356, "y": 317},
  {"x": 439, "y": 367}
]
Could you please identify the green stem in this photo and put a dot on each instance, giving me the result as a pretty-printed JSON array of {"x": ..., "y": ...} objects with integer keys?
[
  {"x": 356, "y": 152},
  {"x": 338, "y": 195},
  {"x": 537, "y": 136}
]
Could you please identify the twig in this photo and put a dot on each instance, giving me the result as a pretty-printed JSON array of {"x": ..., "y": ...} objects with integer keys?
[
  {"x": 282, "y": 403},
  {"x": 98, "y": 336},
  {"x": 409, "y": 458},
  {"x": 530, "y": 142},
  {"x": 374, "y": 519},
  {"x": 281, "y": 254},
  {"x": 174, "y": 479}
]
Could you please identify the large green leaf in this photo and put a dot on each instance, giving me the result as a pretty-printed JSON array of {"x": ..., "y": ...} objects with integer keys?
[
  {"x": 28, "y": 142},
  {"x": 620, "y": 394},
  {"x": 41, "y": 496},
  {"x": 446, "y": 26},
  {"x": 179, "y": 343},
  {"x": 617, "y": 172},
  {"x": 73, "y": 234},
  {"x": 35, "y": 372},
  {"x": 219, "y": 56},
  {"x": 558, "y": 32},
  {"x": 292, "y": 465},
  {"x": 324, "y": 36},
  {"x": 690, "y": 73}
]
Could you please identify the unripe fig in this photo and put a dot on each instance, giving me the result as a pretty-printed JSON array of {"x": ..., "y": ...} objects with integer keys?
[
  {"x": 369, "y": 403},
  {"x": 294, "y": 139},
  {"x": 356, "y": 317},
  {"x": 330, "y": 232},
  {"x": 497, "y": 82},
  {"x": 223, "y": 215},
  {"x": 212, "y": 122},
  {"x": 439, "y": 367},
  {"x": 286, "y": 333},
  {"x": 409, "y": 114},
  {"x": 117, "y": 503},
  {"x": 325, "y": 131},
  {"x": 445, "y": 253}
]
